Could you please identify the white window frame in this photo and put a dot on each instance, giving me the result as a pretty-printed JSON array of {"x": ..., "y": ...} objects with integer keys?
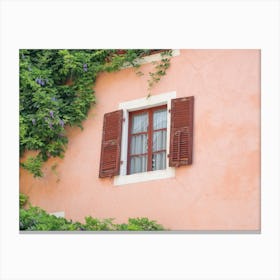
[{"x": 135, "y": 105}]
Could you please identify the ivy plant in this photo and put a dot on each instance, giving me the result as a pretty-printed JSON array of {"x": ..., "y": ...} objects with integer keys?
[{"x": 56, "y": 91}]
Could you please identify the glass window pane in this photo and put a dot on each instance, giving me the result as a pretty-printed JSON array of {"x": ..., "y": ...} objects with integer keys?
[
  {"x": 159, "y": 140},
  {"x": 138, "y": 164},
  {"x": 160, "y": 119},
  {"x": 159, "y": 161},
  {"x": 139, "y": 144},
  {"x": 139, "y": 123}
]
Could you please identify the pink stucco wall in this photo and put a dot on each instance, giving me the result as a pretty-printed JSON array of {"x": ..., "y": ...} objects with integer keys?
[{"x": 219, "y": 191}]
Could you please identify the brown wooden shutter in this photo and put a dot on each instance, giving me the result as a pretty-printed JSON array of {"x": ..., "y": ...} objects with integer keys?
[
  {"x": 111, "y": 144},
  {"x": 181, "y": 132}
]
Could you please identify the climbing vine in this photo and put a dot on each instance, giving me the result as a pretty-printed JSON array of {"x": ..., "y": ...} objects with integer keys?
[
  {"x": 160, "y": 70},
  {"x": 56, "y": 90}
]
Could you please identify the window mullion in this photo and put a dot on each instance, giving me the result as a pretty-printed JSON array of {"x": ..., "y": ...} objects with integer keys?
[
  {"x": 150, "y": 140},
  {"x": 129, "y": 143}
]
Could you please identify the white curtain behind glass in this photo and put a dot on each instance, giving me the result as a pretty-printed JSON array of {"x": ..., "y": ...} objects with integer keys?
[
  {"x": 138, "y": 144},
  {"x": 159, "y": 139}
]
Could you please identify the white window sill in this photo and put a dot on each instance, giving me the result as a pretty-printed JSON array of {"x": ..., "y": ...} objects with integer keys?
[{"x": 144, "y": 177}]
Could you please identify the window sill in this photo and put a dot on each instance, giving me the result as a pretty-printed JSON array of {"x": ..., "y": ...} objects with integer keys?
[{"x": 144, "y": 177}]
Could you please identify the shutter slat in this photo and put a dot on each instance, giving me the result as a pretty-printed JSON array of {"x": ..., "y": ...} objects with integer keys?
[
  {"x": 181, "y": 132},
  {"x": 111, "y": 144}
]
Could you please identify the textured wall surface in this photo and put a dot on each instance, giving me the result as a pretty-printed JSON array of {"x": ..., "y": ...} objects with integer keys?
[{"x": 219, "y": 191}]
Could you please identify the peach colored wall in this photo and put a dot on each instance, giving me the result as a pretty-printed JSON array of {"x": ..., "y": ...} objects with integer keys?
[{"x": 219, "y": 191}]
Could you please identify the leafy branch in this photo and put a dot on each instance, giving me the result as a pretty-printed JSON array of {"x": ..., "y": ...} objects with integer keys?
[
  {"x": 56, "y": 91},
  {"x": 160, "y": 70}
]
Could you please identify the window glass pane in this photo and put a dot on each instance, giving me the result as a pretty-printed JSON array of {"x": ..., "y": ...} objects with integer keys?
[
  {"x": 159, "y": 140},
  {"x": 160, "y": 119},
  {"x": 138, "y": 164},
  {"x": 159, "y": 161},
  {"x": 139, "y": 123},
  {"x": 139, "y": 144}
]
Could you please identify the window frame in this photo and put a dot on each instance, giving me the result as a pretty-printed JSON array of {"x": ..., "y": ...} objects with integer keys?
[
  {"x": 150, "y": 133},
  {"x": 136, "y": 105}
]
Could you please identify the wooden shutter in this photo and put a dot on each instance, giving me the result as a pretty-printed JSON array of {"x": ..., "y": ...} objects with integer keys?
[
  {"x": 111, "y": 144},
  {"x": 181, "y": 132}
]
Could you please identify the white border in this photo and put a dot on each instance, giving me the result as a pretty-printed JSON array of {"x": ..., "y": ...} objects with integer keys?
[
  {"x": 99, "y": 24},
  {"x": 139, "y": 104}
]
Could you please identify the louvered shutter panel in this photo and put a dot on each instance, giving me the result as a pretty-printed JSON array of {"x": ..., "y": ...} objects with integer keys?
[
  {"x": 111, "y": 144},
  {"x": 181, "y": 132}
]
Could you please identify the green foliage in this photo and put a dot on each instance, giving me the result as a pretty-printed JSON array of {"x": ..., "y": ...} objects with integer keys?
[
  {"x": 56, "y": 90},
  {"x": 96, "y": 224},
  {"x": 34, "y": 165},
  {"x": 23, "y": 199},
  {"x": 140, "y": 224},
  {"x": 36, "y": 219}
]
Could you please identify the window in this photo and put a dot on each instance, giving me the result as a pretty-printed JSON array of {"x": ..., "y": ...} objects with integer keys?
[{"x": 147, "y": 138}]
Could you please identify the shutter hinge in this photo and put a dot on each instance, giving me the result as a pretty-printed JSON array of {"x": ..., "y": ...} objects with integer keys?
[
  {"x": 169, "y": 110},
  {"x": 121, "y": 162},
  {"x": 123, "y": 119},
  {"x": 168, "y": 155}
]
